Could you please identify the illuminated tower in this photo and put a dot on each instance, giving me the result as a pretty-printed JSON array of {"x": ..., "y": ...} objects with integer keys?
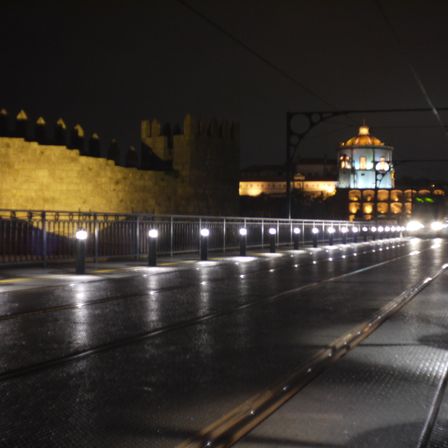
[{"x": 365, "y": 162}]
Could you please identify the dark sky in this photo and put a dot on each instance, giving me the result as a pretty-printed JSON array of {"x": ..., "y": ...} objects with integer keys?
[{"x": 109, "y": 64}]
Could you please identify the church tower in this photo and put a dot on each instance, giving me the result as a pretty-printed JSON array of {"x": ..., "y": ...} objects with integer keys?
[{"x": 364, "y": 161}]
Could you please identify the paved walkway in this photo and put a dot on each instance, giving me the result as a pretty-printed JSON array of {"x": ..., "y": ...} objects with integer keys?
[{"x": 387, "y": 392}]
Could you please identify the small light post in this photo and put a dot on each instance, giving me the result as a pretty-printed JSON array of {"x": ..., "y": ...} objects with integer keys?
[
  {"x": 81, "y": 240},
  {"x": 205, "y": 233},
  {"x": 355, "y": 231},
  {"x": 365, "y": 229},
  {"x": 153, "y": 234},
  {"x": 380, "y": 231},
  {"x": 272, "y": 235},
  {"x": 387, "y": 231},
  {"x": 243, "y": 241},
  {"x": 344, "y": 231},
  {"x": 373, "y": 230},
  {"x": 295, "y": 237},
  {"x": 315, "y": 232},
  {"x": 331, "y": 231}
]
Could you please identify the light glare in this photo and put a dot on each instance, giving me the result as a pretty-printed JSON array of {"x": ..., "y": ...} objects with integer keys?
[{"x": 81, "y": 235}]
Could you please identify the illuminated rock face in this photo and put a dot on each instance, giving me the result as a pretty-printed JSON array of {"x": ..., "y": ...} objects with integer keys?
[{"x": 365, "y": 162}]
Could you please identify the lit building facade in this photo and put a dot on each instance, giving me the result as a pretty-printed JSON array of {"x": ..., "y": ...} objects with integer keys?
[
  {"x": 364, "y": 161},
  {"x": 313, "y": 177},
  {"x": 366, "y": 176}
]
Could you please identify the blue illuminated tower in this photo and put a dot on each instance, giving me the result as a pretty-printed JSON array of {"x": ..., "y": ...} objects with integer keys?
[{"x": 364, "y": 161}]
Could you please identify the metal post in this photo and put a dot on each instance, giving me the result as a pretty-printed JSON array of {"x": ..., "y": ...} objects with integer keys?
[
  {"x": 224, "y": 235},
  {"x": 80, "y": 257},
  {"x": 288, "y": 165},
  {"x": 44, "y": 239},
  {"x": 315, "y": 232},
  {"x": 243, "y": 241},
  {"x": 296, "y": 237},
  {"x": 171, "y": 236},
  {"x": 152, "y": 251},
  {"x": 262, "y": 233},
  {"x": 96, "y": 237},
  {"x": 137, "y": 237},
  {"x": 272, "y": 239},
  {"x": 204, "y": 247}
]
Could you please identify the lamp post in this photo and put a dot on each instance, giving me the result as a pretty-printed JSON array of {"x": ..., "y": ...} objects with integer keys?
[
  {"x": 81, "y": 239},
  {"x": 315, "y": 232},
  {"x": 295, "y": 237},
  {"x": 355, "y": 231},
  {"x": 344, "y": 231},
  {"x": 243, "y": 241},
  {"x": 373, "y": 230},
  {"x": 272, "y": 235},
  {"x": 365, "y": 230},
  {"x": 153, "y": 234},
  {"x": 331, "y": 231},
  {"x": 380, "y": 231},
  {"x": 205, "y": 233},
  {"x": 387, "y": 231}
]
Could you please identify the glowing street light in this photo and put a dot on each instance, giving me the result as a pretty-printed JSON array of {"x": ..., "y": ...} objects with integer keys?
[
  {"x": 331, "y": 231},
  {"x": 344, "y": 231},
  {"x": 315, "y": 232},
  {"x": 243, "y": 241},
  {"x": 205, "y": 233},
  {"x": 81, "y": 236},
  {"x": 153, "y": 234},
  {"x": 295, "y": 237},
  {"x": 365, "y": 230},
  {"x": 355, "y": 231},
  {"x": 272, "y": 235}
]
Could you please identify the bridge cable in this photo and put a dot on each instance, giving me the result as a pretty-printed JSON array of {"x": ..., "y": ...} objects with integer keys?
[
  {"x": 405, "y": 56},
  {"x": 256, "y": 54}
]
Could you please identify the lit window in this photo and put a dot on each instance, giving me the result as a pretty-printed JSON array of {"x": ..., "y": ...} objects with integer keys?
[
  {"x": 363, "y": 163},
  {"x": 382, "y": 165},
  {"x": 345, "y": 162}
]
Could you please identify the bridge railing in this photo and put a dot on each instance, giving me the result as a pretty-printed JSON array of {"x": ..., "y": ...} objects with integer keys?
[{"x": 47, "y": 236}]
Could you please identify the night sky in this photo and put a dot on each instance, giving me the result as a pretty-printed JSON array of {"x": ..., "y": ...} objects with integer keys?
[{"x": 109, "y": 64}]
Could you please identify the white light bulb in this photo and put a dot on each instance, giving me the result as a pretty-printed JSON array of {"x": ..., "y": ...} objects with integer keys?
[
  {"x": 81, "y": 234},
  {"x": 153, "y": 233}
]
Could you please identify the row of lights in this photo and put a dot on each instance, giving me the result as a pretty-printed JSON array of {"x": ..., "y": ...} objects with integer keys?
[{"x": 153, "y": 234}]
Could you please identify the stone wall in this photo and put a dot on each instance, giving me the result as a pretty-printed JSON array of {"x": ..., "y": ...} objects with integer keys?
[{"x": 199, "y": 175}]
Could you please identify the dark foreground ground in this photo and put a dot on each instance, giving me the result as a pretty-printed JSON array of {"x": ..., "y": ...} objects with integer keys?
[{"x": 149, "y": 357}]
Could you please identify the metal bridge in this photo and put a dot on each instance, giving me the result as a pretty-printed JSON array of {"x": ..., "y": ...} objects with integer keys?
[{"x": 338, "y": 345}]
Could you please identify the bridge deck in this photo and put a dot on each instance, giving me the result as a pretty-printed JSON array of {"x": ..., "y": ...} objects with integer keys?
[
  {"x": 387, "y": 392},
  {"x": 157, "y": 358}
]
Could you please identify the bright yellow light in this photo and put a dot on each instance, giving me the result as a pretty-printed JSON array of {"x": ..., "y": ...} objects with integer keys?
[{"x": 364, "y": 130}]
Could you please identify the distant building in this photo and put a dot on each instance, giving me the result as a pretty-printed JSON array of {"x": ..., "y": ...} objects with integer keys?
[
  {"x": 365, "y": 162},
  {"x": 313, "y": 177},
  {"x": 366, "y": 179}
]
